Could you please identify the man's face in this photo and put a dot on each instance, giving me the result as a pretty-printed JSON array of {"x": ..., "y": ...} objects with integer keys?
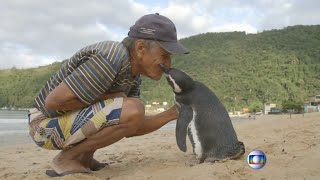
[{"x": 151, "y": 60}]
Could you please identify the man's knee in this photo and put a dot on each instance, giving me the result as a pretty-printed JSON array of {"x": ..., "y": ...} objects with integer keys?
[
  {"x": 133, "y": 107},
  {"x": 132, "y": 114}
]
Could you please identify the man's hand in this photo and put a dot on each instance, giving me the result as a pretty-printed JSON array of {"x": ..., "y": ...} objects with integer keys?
[
  {"x": 173, "y": 112},
  {"x": 154, "y": 122}
]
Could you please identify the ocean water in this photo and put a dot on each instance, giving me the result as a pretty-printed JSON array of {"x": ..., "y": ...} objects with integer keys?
[
  {"x": 12, "y": 122},
  {"x": 14, "y": 126}
]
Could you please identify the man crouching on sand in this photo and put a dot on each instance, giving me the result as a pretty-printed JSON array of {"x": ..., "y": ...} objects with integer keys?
[{"x": 92, "y": 101}]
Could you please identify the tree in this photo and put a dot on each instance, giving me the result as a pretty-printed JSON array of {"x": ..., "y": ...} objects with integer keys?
[{"x": 292, "y": 105}]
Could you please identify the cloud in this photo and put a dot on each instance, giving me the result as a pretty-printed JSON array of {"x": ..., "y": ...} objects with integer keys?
[
  {"x": 194, "y": 17},
  {"x": 234, "y": 27},
  {"x": 42, "y": 29},
  {"x": 289, "y": 13},
  {"x": 261, "y": 15},
  {"x": 187, "y": 20},
  {"x": 21, "y": 57},
  {"x": 265, "y": 14},
  {"x": 37, "y": 32}
]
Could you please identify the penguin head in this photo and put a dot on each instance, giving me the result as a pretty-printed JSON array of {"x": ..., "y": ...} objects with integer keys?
[{"x": 177, "y": 79}]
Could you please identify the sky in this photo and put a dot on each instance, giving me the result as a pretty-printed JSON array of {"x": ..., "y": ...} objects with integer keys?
[{"x": 39, "y": 32}]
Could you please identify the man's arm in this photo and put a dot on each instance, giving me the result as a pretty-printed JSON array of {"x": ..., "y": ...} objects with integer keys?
[
  {"x": 62, "y": 98},
  {"x": 154, "y": 122}
]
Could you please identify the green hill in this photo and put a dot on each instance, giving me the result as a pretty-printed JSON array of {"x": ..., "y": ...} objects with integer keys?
[{"x": 242, "y": 69}]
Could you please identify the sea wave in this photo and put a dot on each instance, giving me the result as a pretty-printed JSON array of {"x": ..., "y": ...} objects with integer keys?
[
  {"x": 13, "y": 132},
  {"x": 13, "y": 121}
]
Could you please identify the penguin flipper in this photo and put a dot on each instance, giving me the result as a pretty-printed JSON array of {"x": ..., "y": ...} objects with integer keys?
[{"x": 185, "y": 117}]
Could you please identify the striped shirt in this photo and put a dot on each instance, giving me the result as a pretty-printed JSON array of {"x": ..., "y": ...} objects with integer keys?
[{"x": 97, "y": 69}]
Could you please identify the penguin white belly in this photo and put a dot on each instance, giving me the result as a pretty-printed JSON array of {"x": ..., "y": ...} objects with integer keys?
[{"x": 195, "y": 137}]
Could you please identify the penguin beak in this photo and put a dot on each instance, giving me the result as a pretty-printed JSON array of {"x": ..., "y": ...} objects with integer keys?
[{"x": 164, "y": 68}]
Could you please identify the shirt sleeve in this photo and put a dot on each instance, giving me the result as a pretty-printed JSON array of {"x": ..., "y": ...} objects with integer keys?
[{"x": 94, "y": 76}]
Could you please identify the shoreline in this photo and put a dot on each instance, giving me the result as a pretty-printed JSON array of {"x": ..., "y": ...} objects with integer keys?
[{"x": 12, "y": 137}]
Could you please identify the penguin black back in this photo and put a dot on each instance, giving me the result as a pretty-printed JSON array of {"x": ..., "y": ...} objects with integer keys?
[{"x": 204, "y": 118}]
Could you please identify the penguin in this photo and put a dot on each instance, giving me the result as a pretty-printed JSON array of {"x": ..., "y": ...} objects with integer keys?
[{"x": 203, "y": 118}]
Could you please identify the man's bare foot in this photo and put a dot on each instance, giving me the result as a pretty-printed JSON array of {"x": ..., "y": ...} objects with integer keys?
[
  {"x": 91, "y": 163},
  {"x": 60, "y": 164},
  {"x": 96, "y": 165}
]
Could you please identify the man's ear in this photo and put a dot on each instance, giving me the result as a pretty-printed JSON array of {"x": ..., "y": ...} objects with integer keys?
[{"x": 140, "y": 47}]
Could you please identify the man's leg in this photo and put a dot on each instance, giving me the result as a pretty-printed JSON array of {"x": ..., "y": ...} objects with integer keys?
[
  {"x": 149, "y": 124},
  {"x": 131, "y": 118}
]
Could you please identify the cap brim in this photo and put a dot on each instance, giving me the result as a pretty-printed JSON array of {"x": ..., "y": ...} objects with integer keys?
[{"x": 173, "y": 47}]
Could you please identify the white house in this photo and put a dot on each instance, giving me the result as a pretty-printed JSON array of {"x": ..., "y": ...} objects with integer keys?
[{"x": 268, "y": 106}]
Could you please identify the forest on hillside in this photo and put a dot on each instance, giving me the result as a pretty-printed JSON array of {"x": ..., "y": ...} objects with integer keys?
[{"x": 244, "y": 70}]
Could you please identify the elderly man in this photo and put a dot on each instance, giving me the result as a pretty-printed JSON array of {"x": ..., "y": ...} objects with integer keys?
[{"x": 92, "y": 101}]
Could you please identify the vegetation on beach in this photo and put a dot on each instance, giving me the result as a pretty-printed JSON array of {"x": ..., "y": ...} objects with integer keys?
[
  {"x": 244, "y": 70},
  {"x": 292, "y": 105}
]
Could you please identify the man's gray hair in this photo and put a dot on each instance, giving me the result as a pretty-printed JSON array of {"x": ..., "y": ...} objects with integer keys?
[{"x": 129, "y": 42}]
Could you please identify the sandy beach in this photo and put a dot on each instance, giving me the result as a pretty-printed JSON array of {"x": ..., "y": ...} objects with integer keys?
[{"x": 292, "y": 147}]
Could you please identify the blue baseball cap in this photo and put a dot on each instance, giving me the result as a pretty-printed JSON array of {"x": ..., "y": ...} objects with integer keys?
[{"x": 159, "y": 28}]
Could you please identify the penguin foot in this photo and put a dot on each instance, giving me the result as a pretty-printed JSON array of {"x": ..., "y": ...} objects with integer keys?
[{"x": 237, "y": 156}]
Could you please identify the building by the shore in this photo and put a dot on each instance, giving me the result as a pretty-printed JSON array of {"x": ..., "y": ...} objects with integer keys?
[
  {"x": 268, "y": 107},
  {"x": 313, "y": 105}
]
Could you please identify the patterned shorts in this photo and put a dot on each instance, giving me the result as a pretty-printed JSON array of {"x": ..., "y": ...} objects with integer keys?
[{"x": 67, "y": 130}]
